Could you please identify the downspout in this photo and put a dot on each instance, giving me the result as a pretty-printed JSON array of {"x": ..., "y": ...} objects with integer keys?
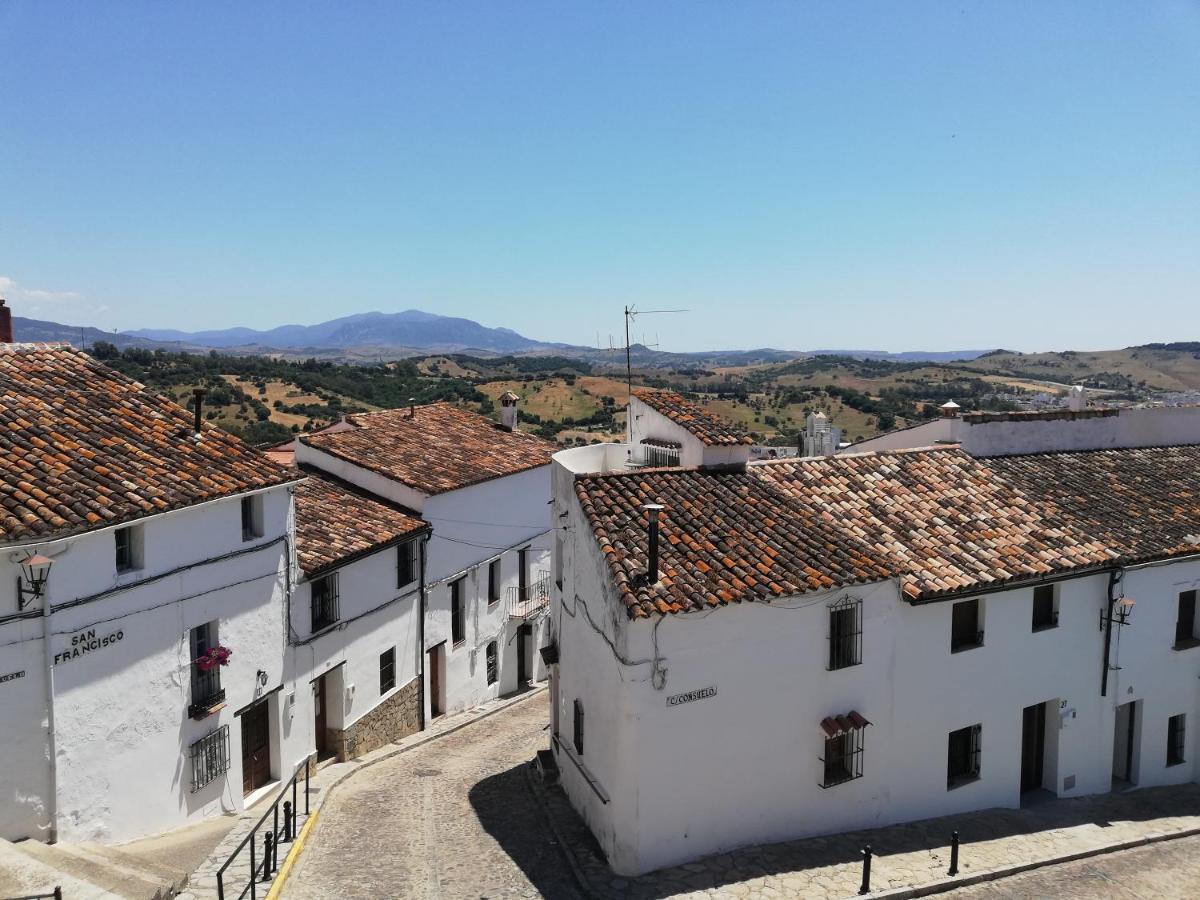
[
  {"x": 1115, "y": 577},
  {"x": 51, "y": 737},
  {"x": 421, "y": 634}
]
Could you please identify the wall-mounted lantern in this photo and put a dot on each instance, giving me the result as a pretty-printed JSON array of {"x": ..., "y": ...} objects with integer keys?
[
  {"x": 1122, "y": 610},
  {"x": 31, "y": 584}
]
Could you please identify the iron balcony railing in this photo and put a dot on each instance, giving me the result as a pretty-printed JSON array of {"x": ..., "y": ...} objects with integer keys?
[
  {"x": 263, "y": 868},
  {"x": 650, "y": 456},
  {"x": 206, "y": 692},
  {"x": 536, "y": 596}
]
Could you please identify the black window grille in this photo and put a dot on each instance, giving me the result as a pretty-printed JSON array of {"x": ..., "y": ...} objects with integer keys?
[
  {"x": 210, "y": 757},
  {"x": 965, "y": 632},
  {"x": 406, "y": 564},
  {"x": 845, "y": 633},
  {"x": 578, "y": 736},
  {"x": 1044, "y": 613},
  {"x": 523, "y": 573},
  {"x": 963, "y": 755},
  {"x": 1185, "y": 621},
  {"x": 125, "y": 549},
  {"x": 387, "y": 670},
  {"x": 843, "y": 758},
  {"x": 325, "y": 602},
  {"x": 458, "y": 623},
  {"x": 494, "y": 581},
  {"x": 661, "y": 456},
  {"x": 251, "y": 525},
  {"x": 493, "y": 670},
  {"x": 206, "y": 685},
  {"x": 1175, "y": 740}
]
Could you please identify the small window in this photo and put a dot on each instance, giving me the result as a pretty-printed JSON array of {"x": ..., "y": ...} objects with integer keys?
[
  {"x": 493, "y": 670},
  {"x": 558, "y": 557},
  {"x": 129, "y": 548},
  {"x": 579, "y": 728},
  {"x": 252, "y": 526},
  {"x": 325, "y": 602},
  {"x": 845, "y": 634},
  {"x": 1175, "y": 740},
  {"x": 406, "y": 564},
  {"x": 965, "y": 627},
  {"x": 523, "y": 574},
  {"x": 843, "y": 758},
  {"x": 1045, "y": 607},
  {"x": 962, "y": 763},
  {"x": 387, "y": 670},
  {"x": 494, "y": 581},
  {"x": 210, "y": 757},
  {"x": 458, "y": 624},
  {"x": 1185, "y": 620}
]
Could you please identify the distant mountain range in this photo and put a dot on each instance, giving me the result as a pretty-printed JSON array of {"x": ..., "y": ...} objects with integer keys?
[{"x": 376, "y": 335}]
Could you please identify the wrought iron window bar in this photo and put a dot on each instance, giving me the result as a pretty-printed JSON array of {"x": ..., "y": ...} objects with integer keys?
[
  {"x": 845, "y": 634},
  {"x": 206, "y": 692},
  {"x": 210, "y": 757},
  {"x": 325, "y": 602},
  {"x": 843, "y": 759}
]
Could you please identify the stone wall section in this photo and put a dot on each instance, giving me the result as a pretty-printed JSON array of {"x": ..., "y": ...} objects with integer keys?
[{"x": 396, "y": 717}]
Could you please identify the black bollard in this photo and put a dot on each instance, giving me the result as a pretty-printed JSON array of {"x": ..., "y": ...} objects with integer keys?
[
  {"x": 954, "y": 853},
  {"x": 287, "y": 821},
  {"x": 866, "y": 882},
  {"x": 266, "y": 867}
]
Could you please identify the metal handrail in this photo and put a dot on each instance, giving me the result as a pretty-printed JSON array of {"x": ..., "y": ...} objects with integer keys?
[
  {"x": 271, "y": 839},
  {"x": 536, "y": 596},
  {"x": 57, "y": 894}
]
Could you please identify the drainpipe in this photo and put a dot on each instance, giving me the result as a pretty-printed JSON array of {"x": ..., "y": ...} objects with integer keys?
[
  {"x": 51, "y": 737},
  {"x": 421, "y": 634},
  {"x": 1114, "y": 580}
]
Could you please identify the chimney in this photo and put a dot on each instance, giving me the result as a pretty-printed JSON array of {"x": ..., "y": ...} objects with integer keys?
[
  {"x": 652, "y": 565},
  {"x": 1077, "y": 398},
  {"x": 198, "y": 406},
  {"x": 508, "y": 411},
  {"x": 949, "y": 410},
  {"x": 412, "y": 407},
  {"x": 6, "y": 332}
]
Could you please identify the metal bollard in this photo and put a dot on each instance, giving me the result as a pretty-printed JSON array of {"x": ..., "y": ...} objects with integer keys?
[
  {"x": 287, "y": 821},
  {"x": 953, "y": 853},
  {"x": 866, "y": 882},
  {"x": 267, "y": 856},
  {"x": 57, "y": 892}
]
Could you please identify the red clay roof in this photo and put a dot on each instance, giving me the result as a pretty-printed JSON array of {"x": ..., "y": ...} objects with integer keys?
[
  {"x": 707, "y": 427},
  {"x": 337, "y": 522},
  {"x": 83, "y": 447},
  {"x": 438, "y": 448}
]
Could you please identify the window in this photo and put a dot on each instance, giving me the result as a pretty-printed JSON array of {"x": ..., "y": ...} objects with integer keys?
[
  {"x": 252, "y": 526},
  {"x": 210, "y": 757},
  {"x": 1175, "y": 740},
  {"x": 579, "y": 728},
  {"x": 843, "y": 758},
  {"x": 493, "y": 581},
  {"x": 523, "y": 574},
  {"x": 1185, "y": 621},
  {"x": 1045, "y": 612},
  {"x": 558, "y": 557},
  {"x": 129, "y": 548},
  {"x": 845, "y": 634},
  {"x": 458, "y": 625},
  {"x": 406, "y": 564},
  {"x": 324, "y": 602},
  {"x": 387, "y": 670},
  {"x": 965, "y": 628},
  {"x": 206, "y": 685},
  {"x": 962, "y": 764},
  {"x": 492, "y": 663}
]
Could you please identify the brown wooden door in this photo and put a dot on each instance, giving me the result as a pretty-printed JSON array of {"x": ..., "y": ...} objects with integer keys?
[
  {"x": 435, "y": 681},
  {"x": 320, "y": 729},
  {"x": 256, "y": 748},
  {"x": 524, "y": 633}
]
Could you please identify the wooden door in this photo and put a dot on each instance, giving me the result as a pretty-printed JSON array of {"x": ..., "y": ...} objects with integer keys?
[
  {"x": 320, "y": 725},
  {"x": 256, "y": 748},
  {"x": 435, "y": 681},
  {"x": 1033, "y": 746},
  {"x": 524, "y": 633}
]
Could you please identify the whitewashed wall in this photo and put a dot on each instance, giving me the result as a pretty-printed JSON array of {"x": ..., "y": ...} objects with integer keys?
[
  {"x": 924, "y": 435},
  {"x": 646, "y": 422},
  {"x": 1151, "y": 427}
]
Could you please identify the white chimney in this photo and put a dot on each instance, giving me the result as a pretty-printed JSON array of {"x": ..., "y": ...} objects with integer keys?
[
  {"x": 508, "y": 411},
  {"x": 949, "y": 410},
  {"x": 1077, "y": 398}
]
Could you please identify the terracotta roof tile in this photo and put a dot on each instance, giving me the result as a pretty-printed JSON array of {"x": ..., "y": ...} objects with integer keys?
[
  {"x": 438, "y": 448},
  {"x": 337, "y": 522},
  {"x": 707, "y": 427},
  {"x": 83, "y": 447}
]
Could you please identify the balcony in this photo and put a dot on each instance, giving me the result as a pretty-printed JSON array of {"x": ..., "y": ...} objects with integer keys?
[
  {"x": 207, "y": 694},
  {"x": 535, "y": 597}
]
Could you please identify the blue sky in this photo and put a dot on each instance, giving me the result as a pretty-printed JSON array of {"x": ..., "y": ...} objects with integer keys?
[{"x": 885, "y": 175}]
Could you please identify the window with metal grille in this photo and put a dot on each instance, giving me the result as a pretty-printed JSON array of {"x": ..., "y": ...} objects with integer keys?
[
  {"x": 458, "y": 618},
  {"x": 128, "y": 548},
  {"x": 494, "y": 581},
  {"x": 406, "y": 564},
  {"x": 965, "y": 630},
  {"x": 210, "y": 757},
  {"x": 206, "y": 685},
  {"x": 843, "y": 758},
  {"x": 493, "y": 663},
  {"x": 845, "y": 633},
  {"x": 252, "y": 518},
  {"x": 1185, "y": 620},
  {"x": 1045, "y": 611},
  {"x": 578, "y": 728},
  {"x": 963, "y": 753},
  {"x": 387, "y": 670},
  {"x": 325, "y": 602},
  {"x": 1175, "y": 740}
]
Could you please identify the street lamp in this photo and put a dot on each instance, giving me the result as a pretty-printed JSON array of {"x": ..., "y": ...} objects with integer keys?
[{"x": 35, "y": 571}]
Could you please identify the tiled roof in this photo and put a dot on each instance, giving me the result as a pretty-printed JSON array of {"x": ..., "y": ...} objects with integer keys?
[
  {"x": 435, "y": 448},
  {"x": 707, "y": 427},
  {"x": 725, "y": 537},
  {"x": 83, "y": 447},
  {"x": 337, "y": 522}
]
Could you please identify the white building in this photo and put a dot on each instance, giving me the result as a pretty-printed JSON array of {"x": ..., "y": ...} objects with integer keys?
[
  {"x": 664, "y": 429},
  {"x": 159, "y": 540},
  {"x": 817, "y": 645},
  {"x": 484, "y": 487},
  {"x": 821, "y": 437}
]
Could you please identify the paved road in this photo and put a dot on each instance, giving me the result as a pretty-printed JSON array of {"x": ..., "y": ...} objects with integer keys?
[
  {"x": 452, "y": 819},
  {"x": 1166, "y": 871}
]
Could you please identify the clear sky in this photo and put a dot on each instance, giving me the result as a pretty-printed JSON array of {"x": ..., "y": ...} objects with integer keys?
[{"x": 899, "y": 175}]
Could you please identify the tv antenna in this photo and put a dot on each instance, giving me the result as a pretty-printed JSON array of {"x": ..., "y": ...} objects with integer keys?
[{"x": 632, "y": 312}]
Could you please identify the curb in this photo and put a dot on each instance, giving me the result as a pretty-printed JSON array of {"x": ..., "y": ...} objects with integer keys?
[
  {"x": 564, "y": 848},
  {"x": 286, "y": 869}
]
